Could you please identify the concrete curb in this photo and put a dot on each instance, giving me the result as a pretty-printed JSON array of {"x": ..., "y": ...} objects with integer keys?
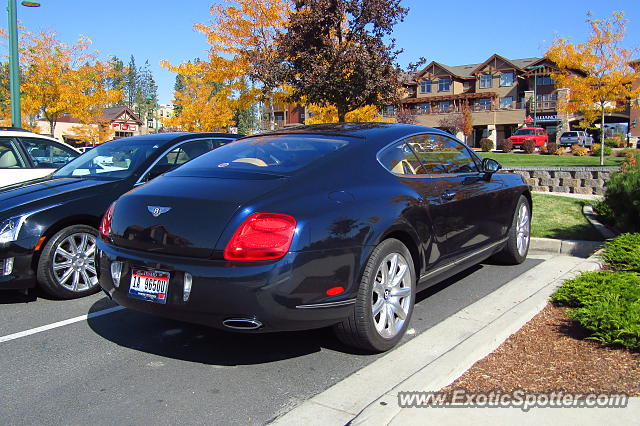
[
  {"x": 592, "y": 217},
  {"x": 578, "y": 248},
  {"x": 439, "y": 355}
]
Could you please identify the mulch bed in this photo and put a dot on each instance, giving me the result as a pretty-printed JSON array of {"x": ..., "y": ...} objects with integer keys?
[{"x": 548, "y": 354}]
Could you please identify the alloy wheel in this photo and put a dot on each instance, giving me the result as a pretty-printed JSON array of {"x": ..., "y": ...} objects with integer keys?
[
  {"x": 392, "y": 295},
  {"x": 523, "y": 229},
  {"x": 73, "y": 262}
]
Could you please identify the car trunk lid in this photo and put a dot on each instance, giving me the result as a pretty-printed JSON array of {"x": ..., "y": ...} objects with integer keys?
[{"x": 183, "y": 216}]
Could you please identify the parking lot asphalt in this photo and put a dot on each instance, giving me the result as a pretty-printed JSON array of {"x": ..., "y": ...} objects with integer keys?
[{"x": 128, "y": 367}]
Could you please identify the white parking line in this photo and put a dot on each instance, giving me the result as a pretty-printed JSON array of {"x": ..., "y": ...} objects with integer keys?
[{"x": 59, "y": 324}]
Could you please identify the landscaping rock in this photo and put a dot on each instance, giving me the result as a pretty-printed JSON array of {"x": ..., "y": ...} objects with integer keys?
[{"x": 570, "y": 182}]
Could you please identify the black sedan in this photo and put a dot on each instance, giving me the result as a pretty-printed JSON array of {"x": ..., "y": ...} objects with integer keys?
[
  {"x": 48, "y": 226},
  {"x": 332, "y": 225}
]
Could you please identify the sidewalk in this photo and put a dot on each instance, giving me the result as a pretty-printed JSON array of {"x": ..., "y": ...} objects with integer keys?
[
  {"x": 441, "y": 354},
  {"x": 570, "y": 195}
]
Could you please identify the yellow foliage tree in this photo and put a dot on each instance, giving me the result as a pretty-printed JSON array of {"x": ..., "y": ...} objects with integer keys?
[
  {"x": 329, "y": 114},
  {"x": 94, "y": 95},
  {"x": 241, "y": 36},
  {"x": 598, "y": 72}
]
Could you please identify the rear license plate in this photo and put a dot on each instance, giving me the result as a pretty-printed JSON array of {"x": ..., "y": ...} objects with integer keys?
[{"x": 149, "y": 285}]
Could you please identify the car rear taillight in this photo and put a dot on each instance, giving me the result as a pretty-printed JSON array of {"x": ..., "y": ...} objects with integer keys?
[
  {"x": 262, "y": 236},
  {"x": 105, "y": 224}
]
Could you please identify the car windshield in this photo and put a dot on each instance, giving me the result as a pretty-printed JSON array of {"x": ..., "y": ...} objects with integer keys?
[
  {"x": 524, "y": 132},
  {"x": 569, "y": 134},
  {"x": 112, "y": 160},
  {"x": 273, "y": 154}
]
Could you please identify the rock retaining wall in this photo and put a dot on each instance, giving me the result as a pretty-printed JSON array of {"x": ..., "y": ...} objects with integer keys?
[{"x": 574, "y": 180}]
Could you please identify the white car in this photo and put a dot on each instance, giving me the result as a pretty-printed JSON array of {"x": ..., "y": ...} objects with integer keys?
[{"x": 25, "y": 155}]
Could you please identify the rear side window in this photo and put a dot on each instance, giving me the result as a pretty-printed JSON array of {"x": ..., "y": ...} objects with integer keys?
[
  {"x": 269, "y": 154},
  {"x": 399, "y": 159},
  {"x": 48, "y": 154},
  {"x": 9, "y": 155},
  {"x": 440, "y": 154}
]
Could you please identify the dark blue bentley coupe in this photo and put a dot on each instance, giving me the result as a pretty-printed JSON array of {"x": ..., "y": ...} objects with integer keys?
[{"x": 330, "y": 225}]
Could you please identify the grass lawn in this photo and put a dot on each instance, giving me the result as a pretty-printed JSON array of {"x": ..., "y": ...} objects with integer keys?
[
  {"x": 518, "y": 159},
  {"x": 561, "y": 218}
]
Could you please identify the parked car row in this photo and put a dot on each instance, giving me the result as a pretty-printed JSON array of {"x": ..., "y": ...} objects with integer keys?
[
  {"x": 329, "y": 225},
  {"x": 48, "y": 225},
  {"x": 25, "y": 155}
]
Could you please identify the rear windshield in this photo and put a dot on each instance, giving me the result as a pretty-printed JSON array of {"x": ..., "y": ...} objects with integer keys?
[
  {"x": 569, "y": 134},
  {"x": 276, "y": 154},
  {"x": 524, "y": 132}
]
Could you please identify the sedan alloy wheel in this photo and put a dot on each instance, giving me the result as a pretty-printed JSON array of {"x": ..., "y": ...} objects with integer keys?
[{"x": 74, "y": 263}]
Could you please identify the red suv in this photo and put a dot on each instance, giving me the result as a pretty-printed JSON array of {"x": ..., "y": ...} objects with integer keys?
[{"x": 537, "y": 134}]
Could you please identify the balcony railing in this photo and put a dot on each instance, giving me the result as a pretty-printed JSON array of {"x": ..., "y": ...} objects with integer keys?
[{"x": 458, "y": 109}]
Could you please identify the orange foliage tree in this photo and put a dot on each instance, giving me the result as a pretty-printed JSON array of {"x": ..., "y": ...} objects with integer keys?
[
  {"x": 241, "y": 37},
  {"x": 59, "y": 78},
  {"x": 598, "y": 72}
]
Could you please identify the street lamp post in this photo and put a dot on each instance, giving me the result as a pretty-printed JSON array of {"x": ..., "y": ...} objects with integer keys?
[{"x": 14, "y": 69}]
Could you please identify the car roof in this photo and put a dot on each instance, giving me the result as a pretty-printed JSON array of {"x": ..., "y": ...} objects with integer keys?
[
  {"x": 21, "y": 133},
  {"x": 384, "y": 132}
]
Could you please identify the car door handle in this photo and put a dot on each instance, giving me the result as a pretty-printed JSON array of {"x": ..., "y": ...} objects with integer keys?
[{"x": 448, "y": 195}]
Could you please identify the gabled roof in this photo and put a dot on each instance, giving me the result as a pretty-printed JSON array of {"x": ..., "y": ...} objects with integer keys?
[
  {"x": 491, "y": 58},
  {"x": 460, "y": 71},
  {"x": 113, "y": 113},
  {"x": 468, "y": 71}
]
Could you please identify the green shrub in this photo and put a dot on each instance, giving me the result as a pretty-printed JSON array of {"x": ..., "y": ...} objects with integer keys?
[
  {"x": 611, "y": 143},
  {"x": 623, "y": 252},
  {"x": 605, "y": 212},
  {"x": 607, "y": 304},
  {"x": 611, "y": 320},
  {"x": 506, "y": 145},
  {"x": 591, "y": 286},
  {"x": 595, "y": 150},
  {"x": 623, "y": 197},
  {"x": 529, "y": 146},
  {"x": 486, "y": 144}
]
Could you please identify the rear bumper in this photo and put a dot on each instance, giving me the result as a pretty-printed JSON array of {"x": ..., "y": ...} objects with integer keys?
[{"x": 285, "y": 295}]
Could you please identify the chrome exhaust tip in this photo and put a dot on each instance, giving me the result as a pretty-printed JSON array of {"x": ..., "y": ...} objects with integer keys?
[{"x": 242, "y": 323}]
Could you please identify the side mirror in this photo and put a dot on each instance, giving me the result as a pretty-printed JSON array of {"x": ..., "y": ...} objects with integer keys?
[{"x": 490, "y": 166}]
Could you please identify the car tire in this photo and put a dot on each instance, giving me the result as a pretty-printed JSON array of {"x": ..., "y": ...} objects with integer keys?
[
  {"x": 66, "y": 268},
  {"x": 518, "y": 240},
  {"x": 376, "y": 324}
]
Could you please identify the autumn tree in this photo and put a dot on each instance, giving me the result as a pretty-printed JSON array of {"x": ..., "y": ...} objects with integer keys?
[
  {"x": 93, "y": 83},
  {"x": 467, "y": 122},
  {"x": 598, "y": 72},
  {"x": 335, "y": 54},
  {"x": 241, "y": 35}
]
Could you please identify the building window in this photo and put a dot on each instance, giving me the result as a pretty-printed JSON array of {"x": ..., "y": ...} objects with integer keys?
[
  {"x": 444, "y": 106},
  {"x": 486, "y": 81},
  {"x": 506, "y": 79},
  {"x": 425, "y": 86},
  {"x": 466, "y": 85},
  {"x": 484, "y": 104},
  {"x": 506, "y": 102},
  {"x": 545, "y": 80},
  {"x": 444, "y": 84},
  {"x": 425, "y": 108}
]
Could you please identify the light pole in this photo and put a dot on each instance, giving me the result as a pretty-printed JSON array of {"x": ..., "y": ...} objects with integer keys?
[
  {"x": 535, "y": 93},
  {"x": 14, "y": 69}
]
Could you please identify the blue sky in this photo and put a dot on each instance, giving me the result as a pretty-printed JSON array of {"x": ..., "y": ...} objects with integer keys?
[{"x": 451, "y": 32}]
